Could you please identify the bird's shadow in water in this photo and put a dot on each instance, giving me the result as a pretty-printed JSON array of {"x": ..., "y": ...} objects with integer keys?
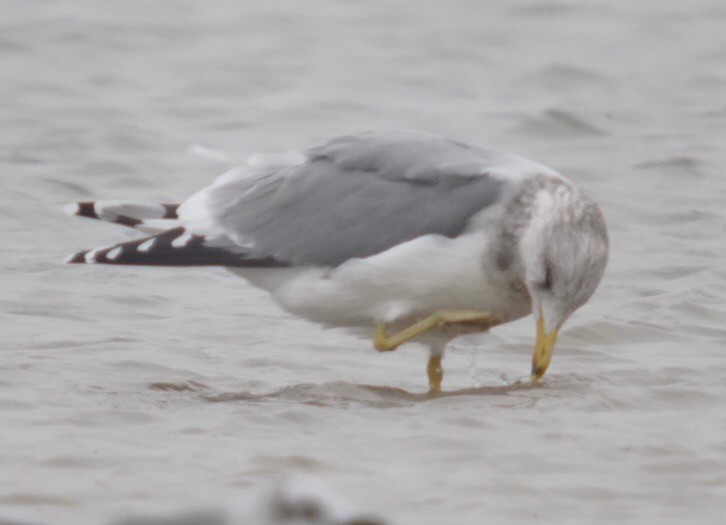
[{"x": 341, "y": 393}]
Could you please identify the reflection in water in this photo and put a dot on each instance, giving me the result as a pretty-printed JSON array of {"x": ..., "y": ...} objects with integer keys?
[
  {"x": 300, "y": 500},
  {"x": 112, "y": 382},
  {"x": 205, "y": 517},
  {"x": 340, "y": 393}
]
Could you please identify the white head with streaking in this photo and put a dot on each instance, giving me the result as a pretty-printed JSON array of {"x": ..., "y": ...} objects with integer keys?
[
  {"x": 564, "y": 252},
  {"x": 406, "y": 236}
]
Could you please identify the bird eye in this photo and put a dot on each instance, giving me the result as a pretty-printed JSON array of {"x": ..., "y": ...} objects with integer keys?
[{"x": 547, "y": 283}]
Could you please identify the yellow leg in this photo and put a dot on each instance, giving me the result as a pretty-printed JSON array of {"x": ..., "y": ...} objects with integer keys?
[
  {"x": 481, "y": 320},
  {"x": 436, "y": 373}
]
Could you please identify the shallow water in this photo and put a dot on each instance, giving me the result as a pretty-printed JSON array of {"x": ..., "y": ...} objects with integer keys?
[{"x": 132, "y": 390}]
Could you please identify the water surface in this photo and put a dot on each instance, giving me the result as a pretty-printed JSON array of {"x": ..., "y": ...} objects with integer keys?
[{"x": 133, "y": 390}]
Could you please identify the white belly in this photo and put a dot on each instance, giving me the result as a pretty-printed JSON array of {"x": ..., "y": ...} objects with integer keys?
[{"x": 411, "y": 280}]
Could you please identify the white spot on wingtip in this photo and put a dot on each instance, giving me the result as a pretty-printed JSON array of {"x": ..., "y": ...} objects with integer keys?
[
  {"x": 90, "y": 256},
  {"x": 181, "y": 241},
  {"x": 72, "y": 209},
  {"x": 146, "y": 246},
  {"x": 113, "y": 254}
]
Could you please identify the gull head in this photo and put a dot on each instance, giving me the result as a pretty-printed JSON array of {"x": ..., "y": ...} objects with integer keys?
[{"x": 564, "y": 251}]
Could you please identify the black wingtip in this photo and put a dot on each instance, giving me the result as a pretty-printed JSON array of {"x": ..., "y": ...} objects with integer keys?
[
  {"x": 174, "y": 247},
  {"x": 77, "y": 258},
  {"x": 81, "y": 209},
  {"x": 127, "y": 221},
  {"x": 122, "y": 213},
  {"x": 170, "y": 211}
]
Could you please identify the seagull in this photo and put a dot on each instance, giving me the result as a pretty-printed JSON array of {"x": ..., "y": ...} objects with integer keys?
[{"x": 401, "y": 237}]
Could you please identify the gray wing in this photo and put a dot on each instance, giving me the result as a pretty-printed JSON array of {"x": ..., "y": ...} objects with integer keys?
[{"x": 355, "y": 196}]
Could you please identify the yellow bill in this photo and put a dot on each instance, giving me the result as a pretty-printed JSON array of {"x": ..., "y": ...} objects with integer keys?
[{"x": 543, "y": 348}]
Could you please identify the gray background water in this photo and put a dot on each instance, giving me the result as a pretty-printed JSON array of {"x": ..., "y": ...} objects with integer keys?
[{"x": 145, "y": 390}]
